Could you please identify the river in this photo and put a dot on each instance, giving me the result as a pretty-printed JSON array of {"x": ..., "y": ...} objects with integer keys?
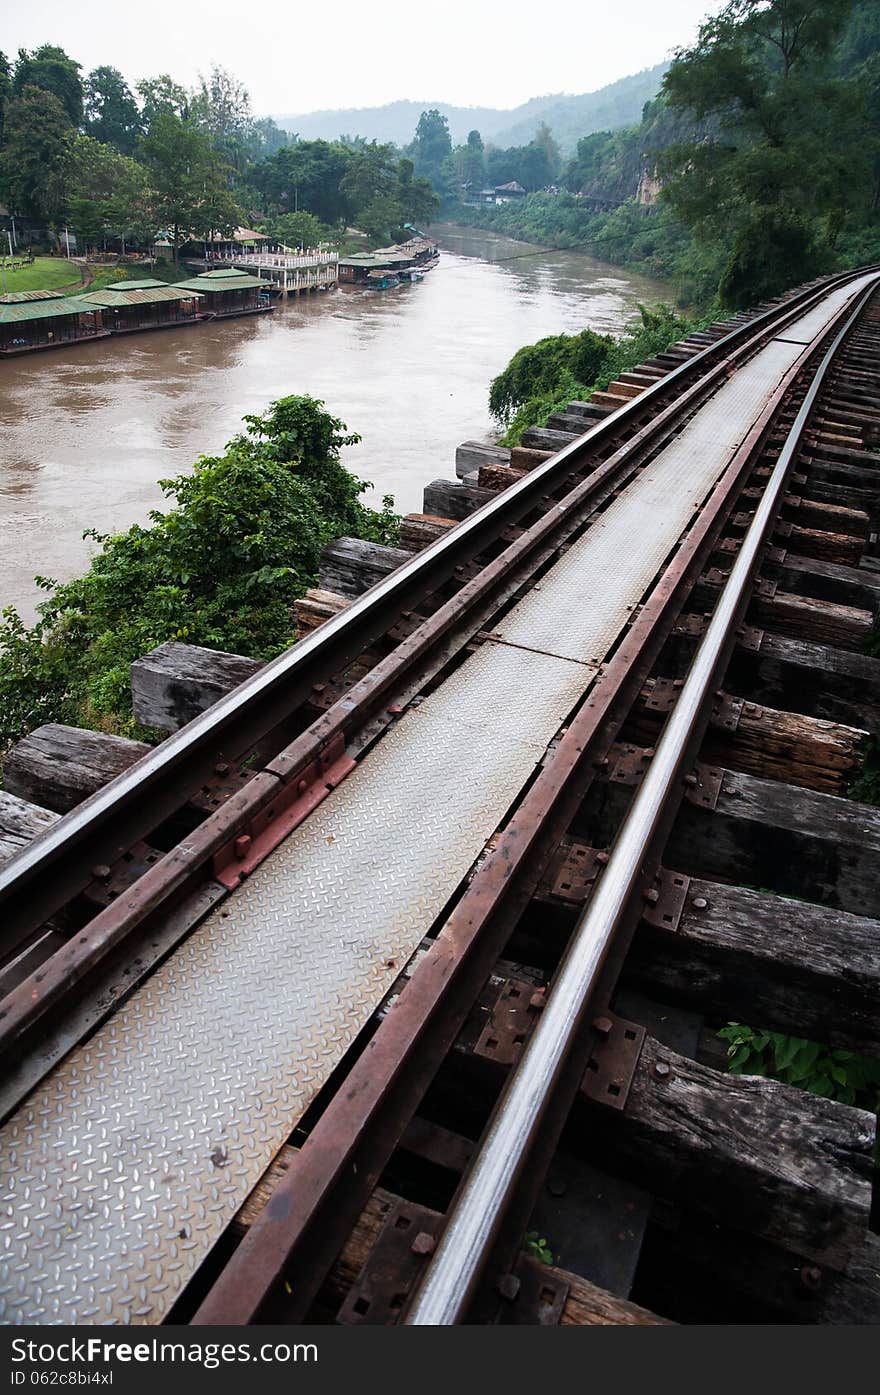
[{"x": 88, "y": 431}]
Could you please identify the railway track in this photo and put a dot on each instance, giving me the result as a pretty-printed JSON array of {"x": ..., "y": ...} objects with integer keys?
[{"x": 451, "y": 887}]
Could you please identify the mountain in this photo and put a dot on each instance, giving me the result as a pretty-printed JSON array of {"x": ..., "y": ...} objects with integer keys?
[{"x": 569, "y": 117}]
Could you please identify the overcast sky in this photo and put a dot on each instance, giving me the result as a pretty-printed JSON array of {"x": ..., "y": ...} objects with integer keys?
[{"x": 302, "y": 57}]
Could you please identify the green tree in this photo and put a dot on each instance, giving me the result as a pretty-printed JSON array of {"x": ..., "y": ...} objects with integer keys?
[
  {"x": 107, "y": 193},
  {"x": 306, "y": 175},
  {"x": 431, "y": 147},
  {"x": 780, "y": 162},
  {"x": 35, "y": 153},
  {"x": 222, "y": 568},
  {"x": 51, "y": 70},
  {"x": 537, "y": 369},
  {"x": 221, "y": 107},
  {"x": 182, "y": 166},
  {"x": 111, "y": 112},
  {"x": 470, "y": 162},
  {"x": 415, "y": 197},
  {"x": 5, "y": 86},
  {"x": 296, "y": 229},
  {"x": 161, "y": 94}
]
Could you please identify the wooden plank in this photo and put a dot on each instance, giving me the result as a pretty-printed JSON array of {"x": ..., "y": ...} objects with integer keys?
[
  {"x": 498, "y": 477},
  {"x": 540, "y": 438},
  {"x": 793, "y": 841},
  {"x": 585, "y": 1306},
  {"x": 453, "y": 499},
  {"x": 521, "y": 458},
  {"x": 831, "y": 547},
  {"x": 471, "y": 455},
  {"x": 808, "y": 751},
  {"x": 418, "y": 530},
  {"x": 20, "y": 823},
  {"x": 779, "y": 963},
  {"x": 794, "y": 675},
  {"x": 316, "y": 606},
  {"x": 767, "y": 1158},
  {"x": 58, "y": 766},
  {"x": 175, "y": 682},
  {"x": 350, "y": 566}
]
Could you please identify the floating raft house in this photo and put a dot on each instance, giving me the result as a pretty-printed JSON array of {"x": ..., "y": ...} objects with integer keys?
[
  {"x": 229, "y": 292},
  {"x": 44, "y": 321}
]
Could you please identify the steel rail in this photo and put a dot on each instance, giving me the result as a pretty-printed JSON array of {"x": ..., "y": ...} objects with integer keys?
[
  {"x": 30, "y": 876},
  {"x": 449, "y": 1281},
  {"x": 331, "y": 1177}
]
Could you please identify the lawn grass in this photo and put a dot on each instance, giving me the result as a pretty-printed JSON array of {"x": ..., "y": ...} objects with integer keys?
[{"x": 43, "y": 274}]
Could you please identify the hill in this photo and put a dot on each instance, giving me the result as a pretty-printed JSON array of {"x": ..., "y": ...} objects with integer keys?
[{"x": 569, "y": 116}]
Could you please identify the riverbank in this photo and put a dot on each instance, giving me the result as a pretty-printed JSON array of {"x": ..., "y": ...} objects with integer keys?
[
  {"x": 83, "y": 446},
  {"x": 643, "y": 239}
]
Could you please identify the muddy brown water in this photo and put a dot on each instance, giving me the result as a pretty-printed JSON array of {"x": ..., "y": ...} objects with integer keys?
[{"x": 86, "y": 432}]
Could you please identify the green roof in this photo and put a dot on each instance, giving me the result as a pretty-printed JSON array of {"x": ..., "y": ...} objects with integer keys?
[
  {"x": 19, "y": 297},
  {"x": 43, "y": 310},
  {"x": 145, "y": 285},
  {"x": 113, "y": 299},
  {"x": 213, "y": 281},
  {"x": 225, "y": 271}
]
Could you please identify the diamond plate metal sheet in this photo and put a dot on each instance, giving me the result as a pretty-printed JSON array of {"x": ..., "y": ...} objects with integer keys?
[
  {"x": 123, "y": 1168},
  {"x": 120, "y": 1172},
  {"x": 580, "y": 606},
  {"x": 811, "y": 325}
]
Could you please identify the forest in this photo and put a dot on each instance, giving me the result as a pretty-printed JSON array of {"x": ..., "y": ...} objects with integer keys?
[
  {"x": 114, "y": 166},
  {"x": 756, "y": 167}
]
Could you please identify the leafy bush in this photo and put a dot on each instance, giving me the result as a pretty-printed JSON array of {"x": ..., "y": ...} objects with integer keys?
[
  {"x": 543, "y": 378},
  {"x": 537, "y": 370},
  {"x": 833, "y": 1073},
  {"x": 220, "y": 569}
]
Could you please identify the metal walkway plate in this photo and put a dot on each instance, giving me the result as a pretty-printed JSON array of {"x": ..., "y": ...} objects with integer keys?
[{"x": 123, "y": 1168}]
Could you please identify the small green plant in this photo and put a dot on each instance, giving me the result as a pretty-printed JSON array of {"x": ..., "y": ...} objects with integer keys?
[
  {"x": 536, "y": 1247},
  {"x": 831, "y": 1072}
]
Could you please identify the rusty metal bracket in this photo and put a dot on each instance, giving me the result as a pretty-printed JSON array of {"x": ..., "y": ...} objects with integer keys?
[
  {"x": 749, "y": 637},
  {"x": 763, "y": 587},
  {"x": 726, "y": 712},
  {"x": 630, "y": 764},
  {"x": 293, "y": 803},
  {"x": 534, "y": 1296},
  {"x": 110, "y": 882},
  {"x": 691, "y": 624},
  {"x": 665, "y": 900},
  {"x": 663, "y": 694},
  {"x": 613, "y": 1060},
  {"x": 703, "y": 786},
  {"x": 511, "y": 1020},
  {"x": 715, "y": 576},
  {"x": 378, "y": 1295},
  {"x": 573, "y": 873}
]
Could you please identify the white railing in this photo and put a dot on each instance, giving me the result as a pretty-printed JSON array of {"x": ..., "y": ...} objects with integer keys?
[{"x": 283, "y": 260}]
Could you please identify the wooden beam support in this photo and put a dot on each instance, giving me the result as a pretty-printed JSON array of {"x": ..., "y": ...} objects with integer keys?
[
  {"x": 58, "y": 766},
  {"x": 175, "y": 682},
  {"x": 782, "y": 964},
  {"x": 316, "y": 606},
  {"x": 585, "y": 1306},
  {"x": 453, "y": 499},
  {"x": 807, "y": 751},
  {"x": 768, "y": 1158},
  {"x": 350, "y": 566},
  {"x": 792, "y": 841},
  {"x": 20, "y": 823},
  {"x": 418, "y": 530}
]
